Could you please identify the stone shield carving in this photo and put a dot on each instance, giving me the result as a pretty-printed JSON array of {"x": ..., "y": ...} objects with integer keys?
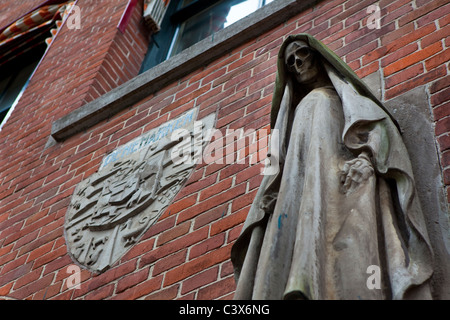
[{"x": 134, "y": 185}]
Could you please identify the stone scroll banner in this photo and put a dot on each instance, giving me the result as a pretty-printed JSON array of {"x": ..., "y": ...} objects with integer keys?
[{"x": 113, "y": 208}]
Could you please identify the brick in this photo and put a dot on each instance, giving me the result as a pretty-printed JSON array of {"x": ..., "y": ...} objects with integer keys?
[
  {"x": 354, "y": 65},
  {"x": 140, "y": 290},
  {"x": 410, "y": 84},
  {"x": 186, "y": 99},
  {"x": 4, "y": 291},
  {"x": 210, "y": 216},
  {"x": 169, "y": 262},
  {"x": 49, "y": 292},
  {"x": 441, "y": 111},
  {"x": 110, "y": 275},
  {"x": 165, "y": 294},
  {"x": 369, "y": 69},
  {"x": 393, "y": 44},
  {"x": 440, "y": 84},
  {"x": 412, "y": 59},
  {"x": 447, "y": 176},
  {"x": 246, "y": 174},
  {"x": 174, "y": 246},
  {"x": 404, "y": 75},
  {"x": 226, "y": 269},
  {"x": 442, "y": 126},
  {"x": 182, "y": 204},
  {"x": 131, "y": 280},
  {"x": 190, "y": 296},
  {"x": 26, "y": 279},
  {"x": 242, "y": 61},
  {"x": 211, "y": 202},
  {"x": 215, "y": 189},
  {"x": 199, "y": 280},
  {"x": 229, "y": 221},
  {"x": 33, "y": 287},
  {"x": 194, "y": 266},
  {"x": 395, "y": 10},
  {"x": 101, "y": 293},
  {"x": 4, "y": 250},
  {"x": 438, "y": 59},
  {"x": 263, "y": 83},
  {"x": 448, "y": 194},
  {"x": 198, "y": 185},
  {"x": 350, "y": 10},
  {"x": 434, "y": 15},
  {"x": 230, "y": 118},
  {"x": 212, "y": 243},
  {"x": 444, "y": 142},
  {"x": 43, "y": 239},
  {"x": 56, "y": 253},
  {"x": 243, "y": 201},
  {"x": 217, "y": 289},
  {"x": 328, "y": 14},
  {"x": 248, "y": 122},
  {"x": 445, "y": 158},
  {"x": 40, "y": 251},
  {"x": 421, "y": 11},
  {"x": 444, "y": 21},
  {"x": 436, "y": 36},
  {"x": 213, "y": 96},
  {"x": 15, "y": 273},
  {"x": 238, "y": 101},
  {"x": 164, "y": 223},
  {"x": 187, "y": 90},
  {"x": 57, "y": 264},
  {"x": 173, "y": 233},
  {"x": 214, "y": 75},
  {"x": 440, "y": 97},
  {"x": 361, "y": 52}
]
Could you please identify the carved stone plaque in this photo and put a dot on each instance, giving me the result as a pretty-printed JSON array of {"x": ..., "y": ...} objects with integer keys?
[{"x": 134, "y": 185}]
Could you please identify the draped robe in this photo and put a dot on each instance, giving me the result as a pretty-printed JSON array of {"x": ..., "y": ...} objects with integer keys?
[{"x": 307, "y": 238}]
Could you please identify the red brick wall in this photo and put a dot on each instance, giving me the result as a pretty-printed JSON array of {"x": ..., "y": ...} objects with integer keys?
[
  {"x": 186, "y": 253},
  {"x": 9, "y": 13}
]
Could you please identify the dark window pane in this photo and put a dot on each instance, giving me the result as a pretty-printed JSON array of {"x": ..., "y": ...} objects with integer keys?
[{"x": 212, "y": 20}]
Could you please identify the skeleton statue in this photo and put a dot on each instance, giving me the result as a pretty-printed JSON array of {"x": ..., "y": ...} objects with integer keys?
[{"x": 343, "y": 200}]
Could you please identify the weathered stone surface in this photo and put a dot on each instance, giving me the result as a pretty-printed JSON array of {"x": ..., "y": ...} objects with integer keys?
[
  {"x": 414, "y": 116},
  {"x": 135, "y": 184}
]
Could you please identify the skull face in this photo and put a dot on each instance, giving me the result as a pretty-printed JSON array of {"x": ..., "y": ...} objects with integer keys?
[{"x": 300, "y": 61}]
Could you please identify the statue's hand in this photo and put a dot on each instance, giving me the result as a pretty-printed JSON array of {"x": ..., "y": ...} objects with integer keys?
[{"x": 355, "y": 172}]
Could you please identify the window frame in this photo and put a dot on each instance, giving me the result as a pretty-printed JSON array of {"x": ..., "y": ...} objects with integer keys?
[
  {"x": 135, "y": 90},
  {"x": 30, "y": 60},
  {"x": 162, "y": 43}
]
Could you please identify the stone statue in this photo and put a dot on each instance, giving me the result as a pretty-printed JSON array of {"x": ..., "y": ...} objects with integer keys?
[{"x": 343, "y": 201}]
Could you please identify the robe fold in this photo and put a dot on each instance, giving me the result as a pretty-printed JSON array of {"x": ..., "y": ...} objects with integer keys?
[{"x": 306, "y": 237}]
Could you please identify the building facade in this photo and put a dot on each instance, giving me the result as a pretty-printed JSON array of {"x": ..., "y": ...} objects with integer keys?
[{"x": 110, "y": 82}]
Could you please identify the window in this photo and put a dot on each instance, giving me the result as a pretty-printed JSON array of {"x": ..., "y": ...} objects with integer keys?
[
  {"x": 14, "y": 76},
  {"x": 23, "y": 43},
  {"x": 189, "y": 21}
]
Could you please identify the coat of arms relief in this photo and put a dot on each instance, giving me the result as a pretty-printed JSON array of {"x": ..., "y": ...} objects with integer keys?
[{"x": 134, "y": 185}]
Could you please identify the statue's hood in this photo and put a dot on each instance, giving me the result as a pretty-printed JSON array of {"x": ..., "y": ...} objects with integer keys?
[{"x": 343, "y": 70}]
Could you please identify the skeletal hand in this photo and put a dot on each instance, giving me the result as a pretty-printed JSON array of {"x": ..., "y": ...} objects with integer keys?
[{"x": 355, "y": 172}]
